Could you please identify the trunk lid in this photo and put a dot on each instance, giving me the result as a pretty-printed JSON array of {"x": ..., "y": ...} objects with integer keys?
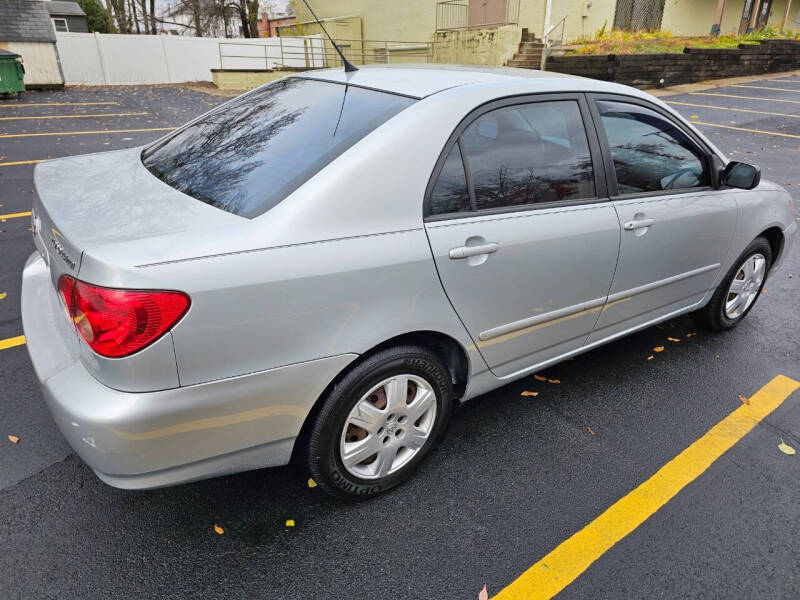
[{"x": 94, "y": 200}]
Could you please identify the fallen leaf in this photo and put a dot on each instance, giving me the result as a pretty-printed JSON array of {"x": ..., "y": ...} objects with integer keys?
[
  {"x": 651, "y": 357},
  {"x": 219, "y": 529},
  {"x": 790, "y": 276},
  {"x": 690, "y": 335},
  {"x": 764, "y": 291},
  {"x": 3, "y": 295},
  {"x": 589, "y": 429},
  {"x": 311, "y": 483},
  {"x": 743, "y": 399},
  {"x": 672, "y": 339},
  {"x": 290, "y": 522},
  {"x": 13, "y": 439},
  {"x": 694, "y": 117},
  {"x": 483, "y": 594},
  {"x": 658, "y": 349},
  {"x": 527, "y": 393},
  {"x": 786, "y": 448},
  {"x": 553, "y": 381},
  {"x": 540, "y": 378}
]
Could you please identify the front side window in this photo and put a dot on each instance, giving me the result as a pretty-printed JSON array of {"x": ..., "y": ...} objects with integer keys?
[
  {"x": 250, "y": 154},
  {"x": 529, "y": 154},
  {"x": 650, "y": 153}
]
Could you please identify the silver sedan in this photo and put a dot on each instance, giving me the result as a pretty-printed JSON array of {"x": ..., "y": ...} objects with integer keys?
[{"x": 318, "y": 270}]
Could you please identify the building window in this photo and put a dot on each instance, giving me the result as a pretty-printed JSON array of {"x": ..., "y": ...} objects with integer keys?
[{"x": 60, "y": 24}]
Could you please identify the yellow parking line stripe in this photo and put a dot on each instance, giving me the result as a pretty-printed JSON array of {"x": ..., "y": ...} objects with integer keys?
[
  {"x": 743, "y": 97},
  {"x": 764, "y": 87},
  {"x": 58, "y": 104},
  {"x": 15, "y": 215},
  {"x": 22, "y": 162},
  {"x": 759, "y": 131},
  {"x": 101, "y": 132},
  {"x": 133, "y": 114},
  {"x": 572, "y": 557},
  {"x": 12, "y": 342},
  {"x": 747, "y": 110}
]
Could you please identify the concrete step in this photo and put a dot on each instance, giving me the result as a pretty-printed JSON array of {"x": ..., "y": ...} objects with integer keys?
[
  {"x": 530, "y": 46},
  {"x": 529, "y": 64}
]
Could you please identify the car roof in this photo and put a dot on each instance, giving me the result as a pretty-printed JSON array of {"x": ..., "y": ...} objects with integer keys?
[{"x": 421, "y": 80}]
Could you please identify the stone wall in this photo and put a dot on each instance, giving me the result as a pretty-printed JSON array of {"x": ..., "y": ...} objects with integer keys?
[
  {"x": 694, "y": 64},
  {"x": 487, "y": 46}
]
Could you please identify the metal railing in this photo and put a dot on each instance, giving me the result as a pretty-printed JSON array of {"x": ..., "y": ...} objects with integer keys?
[
  {"x": 452, "y": 15},
  {"x": 553, "y": 38},
  {"x": 316, "y": 52}
]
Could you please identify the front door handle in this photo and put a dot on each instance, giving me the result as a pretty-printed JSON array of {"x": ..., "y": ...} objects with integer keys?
[
  {"x": 638, "y": 224},
  {"x": 467, "y": 251}
]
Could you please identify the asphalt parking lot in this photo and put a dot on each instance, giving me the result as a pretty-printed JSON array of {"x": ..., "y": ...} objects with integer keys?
[{"x": 573, "y": 490}]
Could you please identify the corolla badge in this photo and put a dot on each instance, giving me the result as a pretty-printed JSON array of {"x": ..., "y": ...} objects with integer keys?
[
  {"x": 36, "y": 224},
  {"x": 61, "y": 252}
]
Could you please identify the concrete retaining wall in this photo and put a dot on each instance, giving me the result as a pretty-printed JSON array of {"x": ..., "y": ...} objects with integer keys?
[{"x": 485, "y": 46}]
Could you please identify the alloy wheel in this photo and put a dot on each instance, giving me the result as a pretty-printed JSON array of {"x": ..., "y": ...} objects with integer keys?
[{"x": 745, "y": 286}]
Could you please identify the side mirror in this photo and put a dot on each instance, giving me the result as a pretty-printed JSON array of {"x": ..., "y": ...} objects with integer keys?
[{"x": 741, "y": 175}]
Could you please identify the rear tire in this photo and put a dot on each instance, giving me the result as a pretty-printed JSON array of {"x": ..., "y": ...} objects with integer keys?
[
  {"x": 379, "y": 422},
  {"x": 739, "y": 289}
]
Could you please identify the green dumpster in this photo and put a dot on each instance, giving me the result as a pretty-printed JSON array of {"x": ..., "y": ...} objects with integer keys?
[{"x": 11, "y": 73}]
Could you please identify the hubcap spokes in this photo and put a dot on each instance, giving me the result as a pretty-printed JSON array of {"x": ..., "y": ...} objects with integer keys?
[
  {"x": 388, "y": 426},
  {"x": 745, "y": 286}
]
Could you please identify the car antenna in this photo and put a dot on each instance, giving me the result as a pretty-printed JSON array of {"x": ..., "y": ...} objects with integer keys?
[{"x": 348, "y": 66}]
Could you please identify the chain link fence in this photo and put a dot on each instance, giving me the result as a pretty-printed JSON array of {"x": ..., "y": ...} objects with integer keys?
[{"x": 635, "y": 15}]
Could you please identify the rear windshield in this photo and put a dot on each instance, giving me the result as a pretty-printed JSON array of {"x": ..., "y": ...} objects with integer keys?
[{"x": 252, "y": 153}]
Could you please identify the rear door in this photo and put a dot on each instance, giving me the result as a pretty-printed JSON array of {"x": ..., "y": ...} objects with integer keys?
[
  {"x": 676, "y": 228},
  {"x": 523, "y": 236}
]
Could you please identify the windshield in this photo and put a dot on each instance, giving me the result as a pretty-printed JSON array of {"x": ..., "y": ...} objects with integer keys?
[{"x": 252, "y": 153}]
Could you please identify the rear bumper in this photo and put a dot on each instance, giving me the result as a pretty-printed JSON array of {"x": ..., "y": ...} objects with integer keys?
[{"x": 154, "y": 439}]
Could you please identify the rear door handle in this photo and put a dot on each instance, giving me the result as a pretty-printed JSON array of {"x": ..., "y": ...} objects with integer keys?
[
  {"x": 640, "y": 224},
  {"x": 467, "y": 251}
]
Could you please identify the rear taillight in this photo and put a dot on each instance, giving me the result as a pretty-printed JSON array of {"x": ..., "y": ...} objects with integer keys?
[{"x": 116, "y": 323}]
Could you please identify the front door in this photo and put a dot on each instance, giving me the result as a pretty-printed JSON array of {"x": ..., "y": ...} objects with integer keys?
[
  {"x": 523, "y": 238},
  {"x": 676, "y": 228}
]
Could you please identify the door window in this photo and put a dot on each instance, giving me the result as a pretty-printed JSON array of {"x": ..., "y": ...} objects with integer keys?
[
  {"x": 450, "y": 195},
  {"x": 650, "y": 153},
  {"x": 529, "y": 154}
]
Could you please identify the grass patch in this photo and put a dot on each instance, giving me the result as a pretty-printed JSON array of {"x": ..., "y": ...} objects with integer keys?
[{"x": 661, "y": 42}]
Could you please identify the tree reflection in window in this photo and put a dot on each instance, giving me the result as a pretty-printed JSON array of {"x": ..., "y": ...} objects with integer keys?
[
  {"x": 251, "y": 153},
  {"x": 650, "y": 153}
]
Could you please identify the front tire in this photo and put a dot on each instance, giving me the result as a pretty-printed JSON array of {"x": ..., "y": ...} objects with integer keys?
[
  {"x": 379, "y": 422},
  {"x": 739, "y": 289}
]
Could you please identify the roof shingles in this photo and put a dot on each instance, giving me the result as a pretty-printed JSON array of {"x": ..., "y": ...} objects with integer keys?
[{"x": 25, "y": 21}]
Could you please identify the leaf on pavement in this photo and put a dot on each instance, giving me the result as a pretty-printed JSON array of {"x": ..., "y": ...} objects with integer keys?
[
  {"x": 311, "y": 483},
  {"x": 538, "y": 377},
  {"x": 589, "y": 429},
  {"x": 484, "y": 594},
  {"x": 13, "y": 439},
  {"x": 658, "y": 349},
  {"x": 786, "y": 448},
  {"x": 3, "y": 295},
  {"x": 290, "y": 522},
  {"x": 743, "y": 399},
  {"x": 672, "y": 339},
  {"x": 527, "y": 393},
  {"x": 690, "y": 335},
  {"x": 219, "y": 529},
  {"x": 694, "y": 117},
  {"x": 651, "y": 357},
  {"x": 553, "y": 381}
]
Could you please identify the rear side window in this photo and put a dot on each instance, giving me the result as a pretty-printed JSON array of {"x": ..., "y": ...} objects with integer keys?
[
  {"x": 450, "y": 193},
  {"x": 249, "y": 155},
  {"x": 521, "y": 155},
  {"x": 650, "y": 153}
]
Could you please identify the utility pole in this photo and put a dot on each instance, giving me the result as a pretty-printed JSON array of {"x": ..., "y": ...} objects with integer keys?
[
  {"x": 786, "y": 15},
  {"x": 548, "y": 5}
]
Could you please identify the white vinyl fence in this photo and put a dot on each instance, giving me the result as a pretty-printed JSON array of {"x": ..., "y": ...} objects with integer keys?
[{"x": 114, "y": 59}]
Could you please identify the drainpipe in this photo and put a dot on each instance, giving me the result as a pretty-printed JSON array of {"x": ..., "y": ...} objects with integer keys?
[
  {"x": 548, "y": 5},
  {"x": 715, "y": 28}
]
